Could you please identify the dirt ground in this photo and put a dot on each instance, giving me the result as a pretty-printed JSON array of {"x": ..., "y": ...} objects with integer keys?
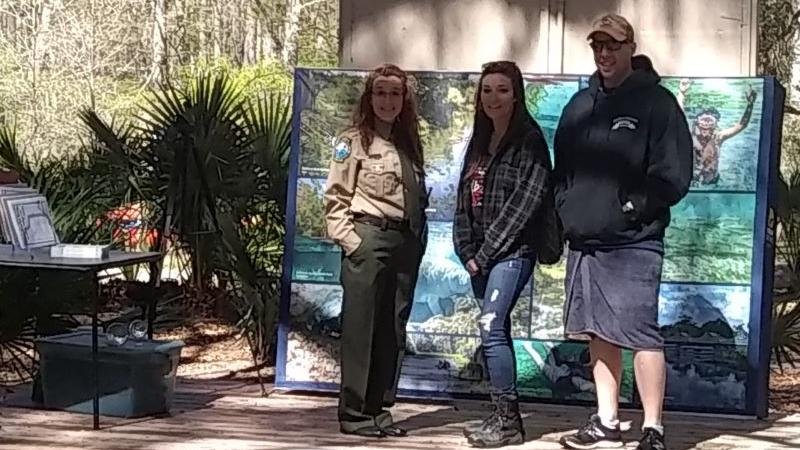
[
  {"x": 784, "y": 391},
  {"x": 214, "y": 350}
]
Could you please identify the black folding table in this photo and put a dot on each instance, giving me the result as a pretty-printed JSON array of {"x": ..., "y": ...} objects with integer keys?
[{"x": 39, "y": 259}]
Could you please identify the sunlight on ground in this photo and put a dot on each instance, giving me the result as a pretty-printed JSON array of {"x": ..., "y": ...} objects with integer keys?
[
  {"x": 212, "y": 350},
  {"x": 211, "y": 444}
]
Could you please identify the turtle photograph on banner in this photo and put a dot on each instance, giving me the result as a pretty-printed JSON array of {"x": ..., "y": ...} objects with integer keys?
[{"x": 710, "y": 251}]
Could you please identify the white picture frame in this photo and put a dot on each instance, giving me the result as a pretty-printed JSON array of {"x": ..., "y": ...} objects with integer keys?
[
  {"x": 11, "y": 190},
  {"x": 29, "y": 221}
]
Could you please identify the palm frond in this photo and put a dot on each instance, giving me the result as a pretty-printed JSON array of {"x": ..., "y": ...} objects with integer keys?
[
  {"x": 11, "y": 155},
  {"x": 269, "y": 119}
]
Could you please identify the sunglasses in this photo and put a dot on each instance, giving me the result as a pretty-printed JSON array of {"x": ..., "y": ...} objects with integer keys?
[{"x": 611, "y": 46}]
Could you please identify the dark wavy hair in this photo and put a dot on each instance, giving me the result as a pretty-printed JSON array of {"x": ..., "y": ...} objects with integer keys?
[
  {"x": 405, "y": 131},
  {"x": 483, "y": 127}
]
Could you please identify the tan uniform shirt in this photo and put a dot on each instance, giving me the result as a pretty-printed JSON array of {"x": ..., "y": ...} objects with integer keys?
[{"x": 366, "y": 181}]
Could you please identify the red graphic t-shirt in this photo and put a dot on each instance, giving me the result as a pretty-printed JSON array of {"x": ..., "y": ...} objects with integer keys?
[{"x": 477, "y": 185}]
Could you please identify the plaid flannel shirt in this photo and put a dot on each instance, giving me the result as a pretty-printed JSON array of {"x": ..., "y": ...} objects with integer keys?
[{"x": 515, "y": 185}]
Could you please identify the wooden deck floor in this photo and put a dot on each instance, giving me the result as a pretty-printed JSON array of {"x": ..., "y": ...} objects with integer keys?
[{"x": 230, "y": 415}]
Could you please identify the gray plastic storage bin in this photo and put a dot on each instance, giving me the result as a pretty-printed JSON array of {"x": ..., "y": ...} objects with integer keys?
[{"x": 135, "y": 379}]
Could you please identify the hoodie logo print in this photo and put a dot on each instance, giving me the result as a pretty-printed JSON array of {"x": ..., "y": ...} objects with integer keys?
[{"x": 628, "y": 122}]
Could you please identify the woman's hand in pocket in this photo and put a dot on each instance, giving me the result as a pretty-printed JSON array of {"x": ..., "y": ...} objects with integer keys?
[{"x": 472, "y": 267}]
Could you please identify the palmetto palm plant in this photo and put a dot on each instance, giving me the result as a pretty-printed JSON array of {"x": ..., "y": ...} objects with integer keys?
[
  {"x": 211, "y": 167},
  {"x": 786, "y": 310},
  {"x": 32, "y": 303},
  {"x": 268, "y": 120},
  {"x": 80, "y": 189},
  {"x": 208, "y": 169}
]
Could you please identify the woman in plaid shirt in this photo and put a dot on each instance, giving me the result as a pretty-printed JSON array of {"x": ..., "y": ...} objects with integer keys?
[{"x": 503, "y": 183}]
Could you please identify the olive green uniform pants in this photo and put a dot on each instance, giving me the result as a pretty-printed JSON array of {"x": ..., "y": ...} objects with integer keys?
[{"x": 378, "y": 280}]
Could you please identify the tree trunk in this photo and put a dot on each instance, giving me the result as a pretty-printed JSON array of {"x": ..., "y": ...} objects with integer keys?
[
  {"x": 92, "y": 55},
  {"x": 291, "y": 27},
  {"x": 266, "y": 41},
  {"x": 42, "y": 12},
  {"x": 159, "y": 47},
  {"x": 216, "y": 20},
  {"x": 40, "y": 35},
  {"x": 250, "y": 42}
]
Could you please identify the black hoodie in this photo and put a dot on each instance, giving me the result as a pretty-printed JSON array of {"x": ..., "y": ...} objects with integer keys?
[{"x": 628, "y": 145}]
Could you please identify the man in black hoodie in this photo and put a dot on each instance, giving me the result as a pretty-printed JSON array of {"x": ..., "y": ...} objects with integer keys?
[{"x": 623, "y": 156}]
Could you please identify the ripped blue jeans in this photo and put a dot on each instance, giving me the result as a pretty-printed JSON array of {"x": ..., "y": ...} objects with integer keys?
[{"x": 500, "y": 290}]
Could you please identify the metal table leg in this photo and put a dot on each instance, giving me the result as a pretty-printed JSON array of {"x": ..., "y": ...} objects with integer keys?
[
  {"x": 95, "y": 372},
  {"x": 151, "y": 310}
]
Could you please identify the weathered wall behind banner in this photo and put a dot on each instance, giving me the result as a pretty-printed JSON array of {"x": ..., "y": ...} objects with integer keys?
[
  {"x": 684, "y": 37},
  {"x": 714, "y": 305}
]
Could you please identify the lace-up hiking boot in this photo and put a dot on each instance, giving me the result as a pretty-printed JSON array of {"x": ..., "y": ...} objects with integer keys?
[
  {"x": 490, "y": 419},
  {"x": 505, "y": 430}
]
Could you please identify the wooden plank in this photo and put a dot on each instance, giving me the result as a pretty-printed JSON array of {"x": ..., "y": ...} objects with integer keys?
[{"x": 231, "y": 414}]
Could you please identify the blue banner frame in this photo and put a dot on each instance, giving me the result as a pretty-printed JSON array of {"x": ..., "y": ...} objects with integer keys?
[{"x": 762, "y": 261}]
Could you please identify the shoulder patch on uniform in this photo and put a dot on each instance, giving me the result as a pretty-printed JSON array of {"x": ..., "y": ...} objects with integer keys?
[{"x": 341, "y": 150}]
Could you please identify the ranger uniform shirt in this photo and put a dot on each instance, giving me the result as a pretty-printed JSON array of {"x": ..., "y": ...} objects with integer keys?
[{"x": 362, "y": 181}]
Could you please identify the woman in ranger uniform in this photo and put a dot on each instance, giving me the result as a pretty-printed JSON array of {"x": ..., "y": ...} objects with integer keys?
[{"x": 374, "y": 205}]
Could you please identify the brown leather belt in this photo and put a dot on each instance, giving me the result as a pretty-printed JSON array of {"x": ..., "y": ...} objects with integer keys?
[{"x": 384, "y": 223}]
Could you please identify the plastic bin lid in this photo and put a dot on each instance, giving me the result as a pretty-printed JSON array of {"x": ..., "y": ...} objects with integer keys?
[{"x": 83, "y": 338}]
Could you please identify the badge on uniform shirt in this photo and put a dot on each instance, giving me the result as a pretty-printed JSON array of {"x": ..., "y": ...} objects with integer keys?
[{"x": 342, "y": 150}]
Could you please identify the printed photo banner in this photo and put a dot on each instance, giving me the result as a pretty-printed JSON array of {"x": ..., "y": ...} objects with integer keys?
[{"x": 715, "y": 301}]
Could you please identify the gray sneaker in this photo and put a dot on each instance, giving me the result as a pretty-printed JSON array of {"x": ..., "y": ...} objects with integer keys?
[
  {"x": 594, "y": 435},
  {"x": 651, "y": 440}
]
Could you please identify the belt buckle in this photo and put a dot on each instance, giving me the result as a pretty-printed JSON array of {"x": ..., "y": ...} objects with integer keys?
[{"x": 384, "y": 224}]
